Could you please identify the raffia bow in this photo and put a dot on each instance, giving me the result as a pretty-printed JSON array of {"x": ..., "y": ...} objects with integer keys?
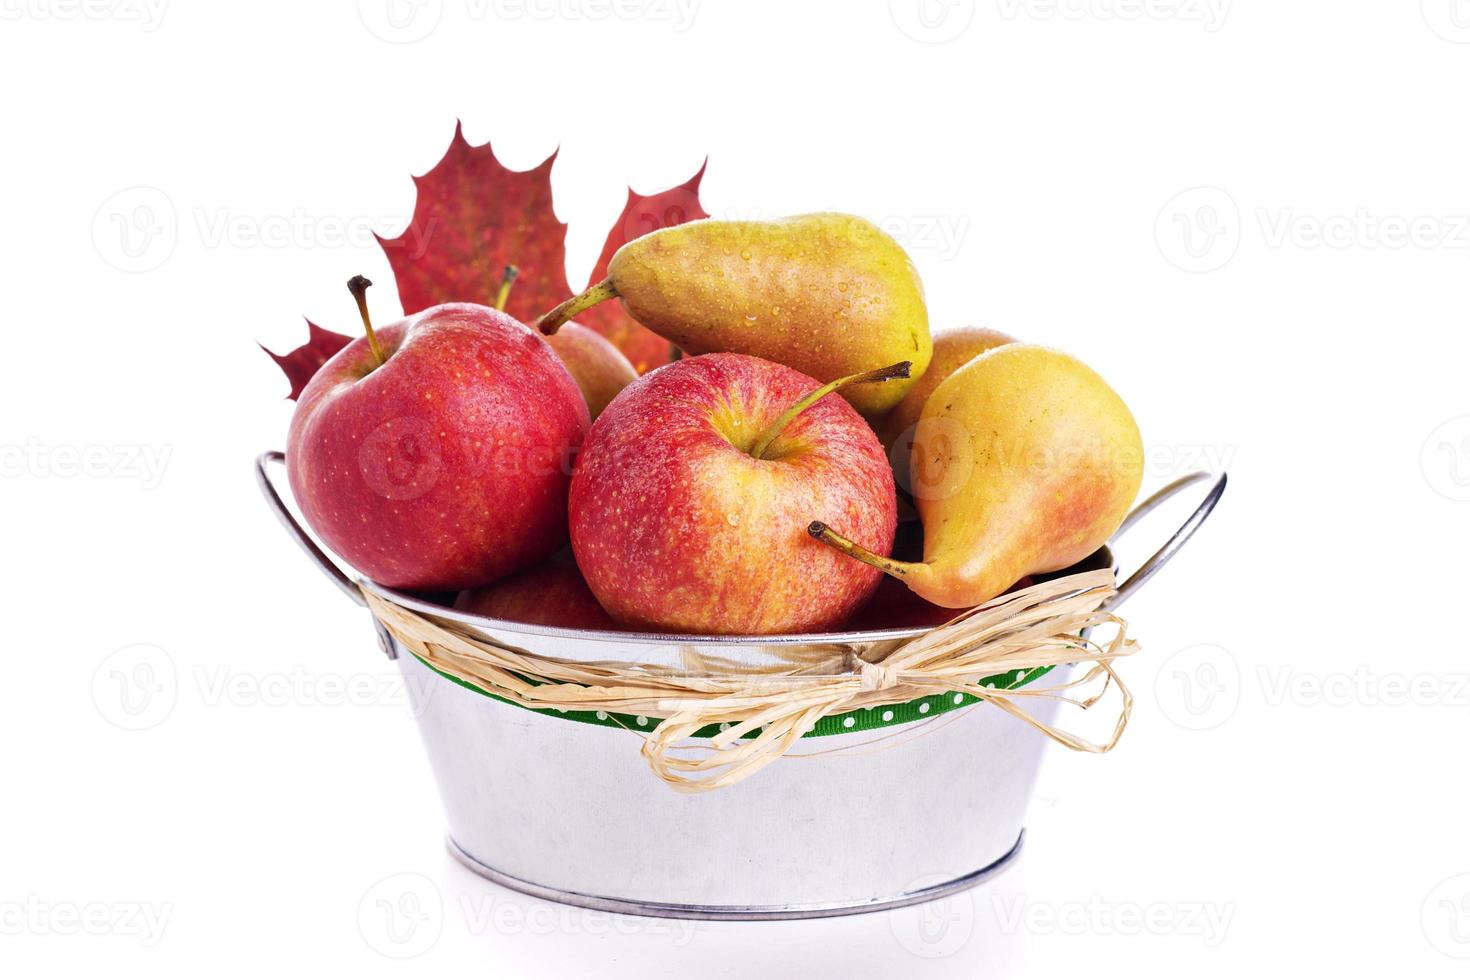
[{"x": 1046, "y": 624}]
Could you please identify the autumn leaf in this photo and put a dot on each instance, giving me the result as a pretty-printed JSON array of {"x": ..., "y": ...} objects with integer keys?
[
  {"x": 473, "y": 217},
  {"x": 306, "y": 360},
  {"x": 641, "y": 215}
]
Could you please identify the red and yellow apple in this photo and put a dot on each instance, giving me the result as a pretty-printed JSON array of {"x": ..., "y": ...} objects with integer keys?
[
  {"x": 435, "y": 453},
  {"x": 691, "y": 496}
]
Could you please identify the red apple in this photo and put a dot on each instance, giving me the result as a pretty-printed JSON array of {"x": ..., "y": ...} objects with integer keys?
[
  {"x": 552, "y": 593},
  {"x": 691, "y": 497},
  {"x": 599, "y": 368},
  {"x": 434, "y": 454}
]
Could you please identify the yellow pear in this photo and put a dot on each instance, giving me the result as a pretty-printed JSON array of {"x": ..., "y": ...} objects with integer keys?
[
  {"x": 1024, "y": 461},
  {"x": 828, "y": 294},
  {"x": 953, "y": 349}
]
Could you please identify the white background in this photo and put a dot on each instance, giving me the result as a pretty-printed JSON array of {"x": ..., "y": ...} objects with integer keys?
[{"x": 1295, "y": 768}]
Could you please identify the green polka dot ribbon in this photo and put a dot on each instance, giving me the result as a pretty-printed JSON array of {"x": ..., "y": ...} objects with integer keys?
[{"x": 861, "y": 720}]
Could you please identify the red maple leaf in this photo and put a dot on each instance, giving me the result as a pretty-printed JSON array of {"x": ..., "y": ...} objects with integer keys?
[
  {"x": 306, "y": 360},
  {"x": 472, "y": 218},
  {"x": 641, "y": 215}
]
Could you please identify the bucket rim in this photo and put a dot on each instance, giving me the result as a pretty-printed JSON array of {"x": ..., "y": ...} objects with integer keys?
[{"x": 1102, "y": 558}]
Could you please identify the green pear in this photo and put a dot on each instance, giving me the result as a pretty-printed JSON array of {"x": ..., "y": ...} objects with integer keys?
[{"x": 830, "y": 295}]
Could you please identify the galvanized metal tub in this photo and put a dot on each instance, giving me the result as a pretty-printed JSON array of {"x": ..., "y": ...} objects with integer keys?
[{"x": 569, "y": 811}]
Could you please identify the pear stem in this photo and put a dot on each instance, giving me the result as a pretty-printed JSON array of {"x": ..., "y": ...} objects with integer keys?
[
  {"x": 824, "y": 534},
  {"x": 358, "y": 287},
  {"x": 551, "y": 322},
  {"x": 510, "y": 277},
  {"x": 899, "y": 370}
]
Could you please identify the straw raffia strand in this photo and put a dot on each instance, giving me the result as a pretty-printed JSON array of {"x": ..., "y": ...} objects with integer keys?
[{"x": 1032, "y": 627}]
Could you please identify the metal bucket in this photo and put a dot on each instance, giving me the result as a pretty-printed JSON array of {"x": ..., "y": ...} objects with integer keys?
[{"x": 569, "y": 811}]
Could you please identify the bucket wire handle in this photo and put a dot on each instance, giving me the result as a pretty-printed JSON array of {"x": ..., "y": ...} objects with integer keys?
[
  {"x": 1177, "y": 540},
  {"x": 313, "y": 551}
]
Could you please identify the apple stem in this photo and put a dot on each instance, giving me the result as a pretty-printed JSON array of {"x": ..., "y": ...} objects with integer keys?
[
  {"x": 551, "y": 322},
  {"x": 899, "y": 370},
  {"x": 824, "y": 534},
  {"x": 358, "y": 287},
  {"x": 510, "y": 277}
]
